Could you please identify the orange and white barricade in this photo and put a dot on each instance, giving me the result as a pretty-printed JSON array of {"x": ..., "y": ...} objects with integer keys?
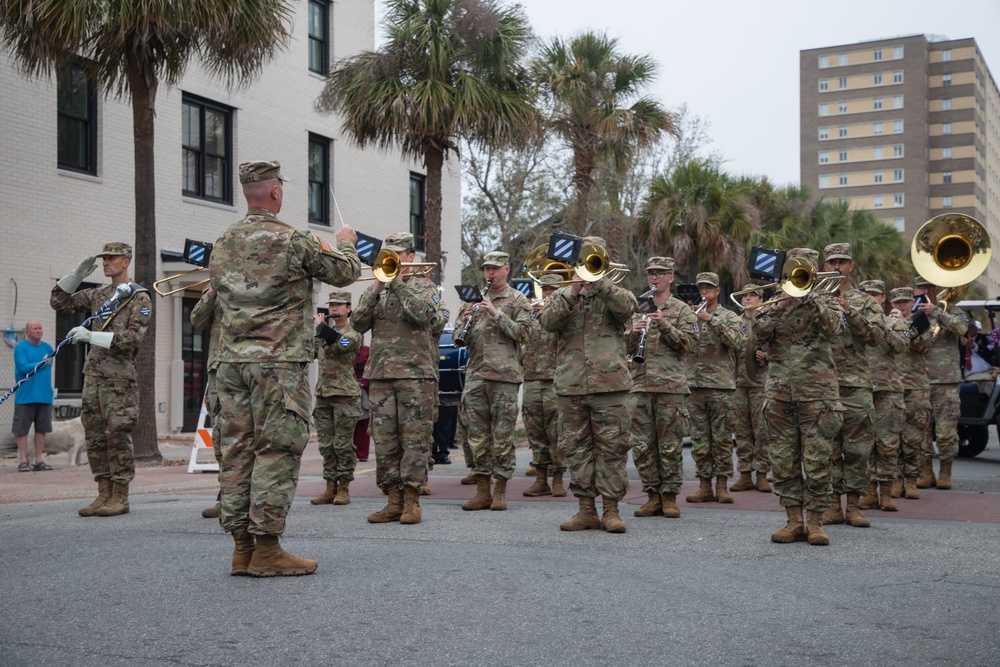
[{"x": 202, "y": 447}]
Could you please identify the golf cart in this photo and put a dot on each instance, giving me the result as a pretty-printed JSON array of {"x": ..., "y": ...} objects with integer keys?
[{"x": 980, "y": 401}]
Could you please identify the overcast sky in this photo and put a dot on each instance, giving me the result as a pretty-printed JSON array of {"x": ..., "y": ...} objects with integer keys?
[{"x": 725, "y": 58}]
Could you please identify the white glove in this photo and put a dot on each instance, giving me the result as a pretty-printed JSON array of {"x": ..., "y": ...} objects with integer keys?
[
  {"x": 96, "y": 338},
  {"x": 71, "y": 281}
]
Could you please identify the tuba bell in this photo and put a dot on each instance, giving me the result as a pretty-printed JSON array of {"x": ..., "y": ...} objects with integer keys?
[{"x": 951, "y": 251}]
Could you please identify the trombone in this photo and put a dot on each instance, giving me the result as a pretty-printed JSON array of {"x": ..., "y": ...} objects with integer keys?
[
  {"x": 182, "y": 288},
  {"x": 799, "y": 278},
  {"x": 387, "y": 266},
  {"x": 951, "y": 251},
  {"x": 595, "y": 263}
]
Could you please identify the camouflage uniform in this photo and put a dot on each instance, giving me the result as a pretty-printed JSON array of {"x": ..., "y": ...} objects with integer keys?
[
  {"x": 110, "y": 400},
  {"x": 711, "y": 373},
  {"x": 658, "y": 398},
  {"x": 405, "y": 321},
  {"x": 493, "y": 376},
  {"x": 539, "y": 403},
  {"x": 592, "y": 382},
  {"x": 912, "y": 367},
  {"x": 338, "y": 396},
  {"x": 945, "y": 374},
  {"x": 802, "y": 408},
  {"x": 749, "y": 430},
  {"x": 262, "y": 270}
]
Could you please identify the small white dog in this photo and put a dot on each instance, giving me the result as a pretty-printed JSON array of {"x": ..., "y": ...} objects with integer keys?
[{"x": 67, "y": 436}]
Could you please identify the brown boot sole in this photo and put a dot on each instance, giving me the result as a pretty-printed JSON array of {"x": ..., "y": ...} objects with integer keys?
[
  {"x": 113, "y": 512},
  {"x": 535, "y": 494},
  {"x": 346, "y": 501},
  {"x": 818, "y": 539},
  {"x": 281, "y": 572},
  {"x": 322, "y": 501},
  {"x": 378, "y": 518}
]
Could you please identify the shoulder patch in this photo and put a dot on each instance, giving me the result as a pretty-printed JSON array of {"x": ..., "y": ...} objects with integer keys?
[
  {"x": 435, "y": 298},
  {"x": 447, "y": 315},
  {"x": 345, "y": 341},
  {"x": 743, "y": 328},
  {"x": 324, "y": 244},
  {"x": 906, "y": 333},
  {"x": 144, "y": 311},
  {"x": 696, "y": 328}
]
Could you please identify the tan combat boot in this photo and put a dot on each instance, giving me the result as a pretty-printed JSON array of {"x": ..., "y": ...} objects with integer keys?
[
  {"x": 835, "y": 514},
  {"x": 853, "y": 515},
  {"x": 483, "y": 499},
  {"x": 762, "y": 484},
  {"x": 897, "y": 487},
  {"x": 870, "y": 499},
  {"x": 558, "y": 490},
  {"x": 118, "y": 503},
  {"x": 586, "y": 517},
  {"x": 412, "y": 511},
  {"x": 469, "y": 480},
  {"x": 670, "y": 509},
  {"x": 327, "y": 496},
  {"x": 343, "y": 496},
  {"x": 927, "y": 481},
  {"x": 703, "y": 494},
  {"x": 815, "y": 535},
  {"x": 541, "y": 485},
  {"x": 885, "y": 497},
  {"x": 270, "y": 560},
  {"x": 611, "y": 520},
  {"x": 744, "y": 483},
  {"x": 721, "y": 492},
  {"x": 104, "y": 487},
  {"x": 793, "y": 531},
  {"x": 911, "y": 492},
  {"x": 531, "y": 471},
  {"x": 242, "y": 553},
  {"x": 499, "y": 503},
  {"x": 944, "y": 478},
  {"x": 213, "y": 511},
  {"x": 393, "y": 509},
  {"x": 653, "y": 506}
]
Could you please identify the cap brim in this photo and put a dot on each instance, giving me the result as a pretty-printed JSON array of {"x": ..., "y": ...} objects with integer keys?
[
  {"x": 829, "y": 257},
  {"x": 395, "y": 248},
  {"x": 111, "y": 254}
]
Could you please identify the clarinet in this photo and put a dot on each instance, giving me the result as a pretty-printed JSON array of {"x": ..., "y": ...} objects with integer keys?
[
  {"x": 640, "y": 354},
  {"x": 460, "y": 336}
]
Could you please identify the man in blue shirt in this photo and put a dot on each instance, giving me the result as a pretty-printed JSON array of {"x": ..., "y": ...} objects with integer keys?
[{"x": 33, "y": 400}]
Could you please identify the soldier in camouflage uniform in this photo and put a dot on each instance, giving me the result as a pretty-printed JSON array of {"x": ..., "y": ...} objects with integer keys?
[
  {"x": 493, "y": 330},
  {"x": 592, "y": 382},
  {"x": 405, "y": 318},
  {"x": 711, "y": 372},
  {"x": 658, "y": 399},
  {"x": 749, "y": 431},
  {"x": 802, "y": 409},
  {"x": 110, "y": 400},
  {"x": 945, "y": 375},
  {"x": 205, "y": 316},
  {"x": 539, "y": 403},
  {"x": 912, "y": 366},
  {"x": 338, "y": 399},
  {"x": 865, "y": 327},
  {"x": 890, "y": 409},
  {"x": 262, "y": 272}
]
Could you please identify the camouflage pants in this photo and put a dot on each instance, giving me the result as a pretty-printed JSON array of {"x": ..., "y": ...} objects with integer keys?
[
  {"x": 659, "y": 422},
  {"x": 263, "y": 427},
  {"x": 212, "y": 403},
  {"x": 593, "y": 431},
  {"x": 801, "y": 439},
  {"x": 110, "y": 410},
  {"x": 916, "y": 436},
  {"x": 890, "y": 411},
  {"x": 853, "y": 445},
  {"x": 402, "y": 426},
  {"x": 946, "y": 406},
  {"x": 750, "y": 431},
  {"x": 711, "y": 432},
  {"x": 490, "y": 409},
  {"x": 335, "y": 418},
  {"x": 540, "y": 412}
]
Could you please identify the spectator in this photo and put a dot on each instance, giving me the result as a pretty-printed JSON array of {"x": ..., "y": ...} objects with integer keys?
[{"x": 33, "y": 401}]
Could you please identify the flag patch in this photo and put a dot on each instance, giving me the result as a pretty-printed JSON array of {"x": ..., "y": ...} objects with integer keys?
[{"x": 324, "y": 244}]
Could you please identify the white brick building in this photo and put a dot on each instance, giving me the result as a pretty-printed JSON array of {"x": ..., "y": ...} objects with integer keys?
[{"x": 68, "y": 186}]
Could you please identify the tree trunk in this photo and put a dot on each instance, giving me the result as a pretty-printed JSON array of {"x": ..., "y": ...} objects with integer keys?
[
  {"x": 434, "y": 160},
  {"x": 143, "y": 88}
]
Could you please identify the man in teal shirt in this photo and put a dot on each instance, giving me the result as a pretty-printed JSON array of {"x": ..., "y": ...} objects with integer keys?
[{"x": 33, "y": 400}]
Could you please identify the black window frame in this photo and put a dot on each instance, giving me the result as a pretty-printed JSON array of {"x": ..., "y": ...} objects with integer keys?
[
  {"x": 322, "y": 184},
  {"x": 418, "y": 219},
  {"x": 67, "y": 374},
  {"x": 323, "y": 40},
  {"x": 204, "y": 105},
  {"x": 88, "y": 124}
]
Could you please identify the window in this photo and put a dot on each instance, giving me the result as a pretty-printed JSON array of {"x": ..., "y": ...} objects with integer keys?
[
  {"x": 877, "y": 103},
  {"x": 877, "y": 201},
  {"x": 77, "y": 124},
  {"x": 319, "y": 36},
  {"x": 843, "y": 179},
  {"x": 946, "y": 177},
  {"x": 877, "y": 128},
  {"x": 824, "y": 109},
  {"x": 842, "y": 156},
  {"x": 897, "y": 77},
  {"x": 842, "y": 82},
  {"x": 206, "y": 149},
  {"x": 824, "y": 133},
  {"x": 897, "y": 126},
  {"x": 877, "y": 177},
  {"x": 68, "y": 372},
  {"x": 897, "y": 200},
  {"x": 946, "y": 153},
  {"x": 945, "y": 128},
  {"x": 842, "y": 107},
  {"x": 897, "y": 52},
  {"x": 824, "y": 62},
  {"x": 824, "y": 157},
  {"x": 824, "y": 181},
  {"x": 417, "y": 211},
  {"x": 946, "y": 56},
  {"x": 946, "y": 79},
  {"x": 897, "y": 175},
  {"x": 842, "y": 131},
  {"x": 946, "y": 104},
  {"x": 877, "y": 55},
  {"x": 946, "y": 202},
  {"x": 897, "y": 150},
  {"x": 842, "y": 59},
  {"x": 824, "y": 85},
  {"x": 319, "y": 180},
  {"x": 877, "y": 153},
  {"x": 877, "y": 79},
  {"x": 899, "y": 224},
  {"x": 897, "y": 101}
]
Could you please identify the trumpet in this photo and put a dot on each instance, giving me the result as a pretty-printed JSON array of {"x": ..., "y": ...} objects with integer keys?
[
  {"x": 951, "y": 251},
  {"x": 701, "y": 306},
  {"x": 182, "y": 288},
  {"x": 459, "y": 335},
  {"x": 799, "y": 278},
  {"x": 387, "y": 266}
]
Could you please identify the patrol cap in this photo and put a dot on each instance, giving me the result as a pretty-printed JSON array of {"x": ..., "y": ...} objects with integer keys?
[
  {"x": 399, "y": 242},
  {"x": 495, "y": 258},
  {"x": 116, "y": 248},
  {"x": 596, "y": 240},
  {"x": 708, "y": 278},
  {"x": 756, "y": 289},
  {"x": 922, "y": 282},
  {"x": 876, "y": 286},
  {"x": 261, "y": 170},
  {"x": 340, "y": 296},
  {"x": 660, "y": 264},
  {"x": 900, "y": 294},
  {"x": 549, "y": 280},
  {"x": 805, "y": 253},
  {"x": 838, "y": 251}
]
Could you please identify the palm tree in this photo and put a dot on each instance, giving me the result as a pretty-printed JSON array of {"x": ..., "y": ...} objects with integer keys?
[
  {"x": 594, "y": 90},
  {"x": 128, "y": 49},
  {"x": 449, "y": 69}
]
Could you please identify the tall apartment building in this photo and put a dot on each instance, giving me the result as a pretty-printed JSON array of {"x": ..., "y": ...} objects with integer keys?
[
  {"x": 907, "y": 127},
  {"x": 68, "y": 188}
]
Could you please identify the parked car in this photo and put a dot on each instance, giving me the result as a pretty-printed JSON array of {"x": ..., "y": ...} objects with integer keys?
[{"x": 980, "y": 401}]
